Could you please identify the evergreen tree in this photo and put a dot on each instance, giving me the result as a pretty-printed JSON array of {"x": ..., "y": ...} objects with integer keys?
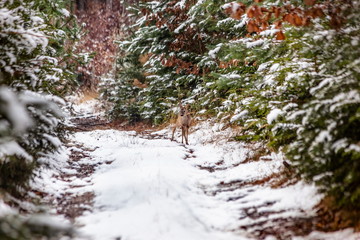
[
  {"x": 36, "y": 69},
  {"x": 165, "y": 54},
  {"x": 286, "y": 71},
  {"x": 326, "y": 147},
  {"x": 36, "y": 39}
]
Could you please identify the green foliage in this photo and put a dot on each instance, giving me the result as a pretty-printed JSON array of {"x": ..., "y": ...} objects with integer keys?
[
  {"x": 37, "y": 40},
  {"x": 14, "y": 173},
  {"x": 14, "y": 227},
  {"x": 326, "y": 149},
  {"x": 300, "y": 95},
  {"x": 173, "y": 37}
]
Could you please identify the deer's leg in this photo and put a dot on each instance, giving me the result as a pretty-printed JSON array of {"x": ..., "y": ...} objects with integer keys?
[
  {"x": 173, "y": 132},
  {"x": 185, "y": 135},
  {"x": 182, "y": 134}
]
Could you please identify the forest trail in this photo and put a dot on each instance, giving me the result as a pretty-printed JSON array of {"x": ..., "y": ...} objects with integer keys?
[{"x": 143, "y": 186}]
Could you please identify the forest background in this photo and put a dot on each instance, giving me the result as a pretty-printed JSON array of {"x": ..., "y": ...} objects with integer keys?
[{"x": 285, "y": 72}]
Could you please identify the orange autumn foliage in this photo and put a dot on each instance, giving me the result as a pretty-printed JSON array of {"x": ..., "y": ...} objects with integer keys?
[
  {"x": 262, "y": 17},
  {"x": 181, "y": 65},
  {"x": 229, "y": 64},
  {"x": 280, "y": 36},
  {"x": 235, "y": 10}
]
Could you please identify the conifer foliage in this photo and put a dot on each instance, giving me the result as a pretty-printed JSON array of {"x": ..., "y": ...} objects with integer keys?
[
  {"x": 34, "y": 73},
  {"x": 287, "y": 72},
  {"x": 36, "y": 69},
  {"x": 163, "y": 59},
  {"x": 327, "y": 144}
]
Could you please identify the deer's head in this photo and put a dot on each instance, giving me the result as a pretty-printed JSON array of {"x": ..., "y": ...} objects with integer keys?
[{"x": 183, "y": 109}]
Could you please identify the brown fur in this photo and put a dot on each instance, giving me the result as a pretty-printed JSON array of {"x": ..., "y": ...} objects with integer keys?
[{"x": 183, "y": 121}]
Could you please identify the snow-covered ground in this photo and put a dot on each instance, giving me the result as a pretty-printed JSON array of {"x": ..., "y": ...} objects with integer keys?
[
  {"x": 149, "y": 188},
  {"x": 149, "y": 192}
]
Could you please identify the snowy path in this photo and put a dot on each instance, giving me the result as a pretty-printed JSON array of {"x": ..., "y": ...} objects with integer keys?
[
  {"x": 146, "y": 187},
  {"x": 149, "y": 192},
  {"x": 158, "y": 189}
]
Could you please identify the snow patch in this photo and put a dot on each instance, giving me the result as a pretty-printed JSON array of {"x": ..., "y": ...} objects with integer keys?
[{"x": 273, "y": 115}]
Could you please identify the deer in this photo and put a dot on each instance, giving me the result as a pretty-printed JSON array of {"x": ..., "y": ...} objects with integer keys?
[{"x": 183, "y": 121}]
